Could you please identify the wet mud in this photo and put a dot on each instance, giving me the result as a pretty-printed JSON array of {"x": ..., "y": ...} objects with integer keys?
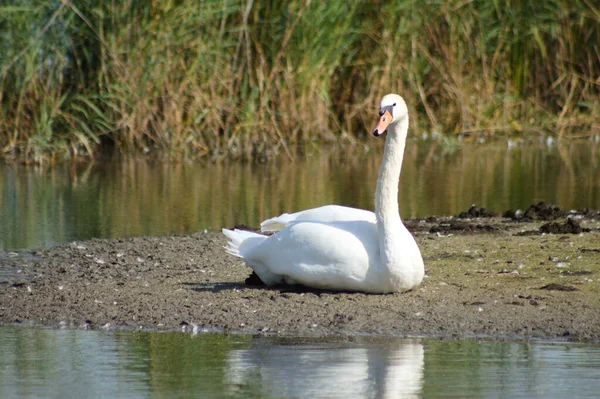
[{"x": 488, "y": 276}]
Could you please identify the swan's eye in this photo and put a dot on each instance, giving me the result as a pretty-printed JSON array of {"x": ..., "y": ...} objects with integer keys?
[{"x": 394, "y": 105}]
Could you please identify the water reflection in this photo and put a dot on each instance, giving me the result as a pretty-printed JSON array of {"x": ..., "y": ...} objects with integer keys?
[
  {"x": 102, "y": 364},
  {"x": 393, "y": 369},
  {"x": 510, "y": 370},
  {"x": 43, "y": 205},
  {"x": 66, "y": 364}
]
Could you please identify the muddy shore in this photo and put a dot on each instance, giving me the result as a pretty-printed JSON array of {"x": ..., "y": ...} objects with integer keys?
[{"x": 513, "y": 276}]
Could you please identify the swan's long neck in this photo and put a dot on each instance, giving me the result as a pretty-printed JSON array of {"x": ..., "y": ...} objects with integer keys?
[{"x": 389, "y": 224}]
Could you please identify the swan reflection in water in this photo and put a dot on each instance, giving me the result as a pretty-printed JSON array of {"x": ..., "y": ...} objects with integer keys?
[{"x": 390, "y": 369}]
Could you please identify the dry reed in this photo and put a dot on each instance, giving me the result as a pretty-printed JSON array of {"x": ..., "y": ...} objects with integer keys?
[{"x": 249, "y": 79}]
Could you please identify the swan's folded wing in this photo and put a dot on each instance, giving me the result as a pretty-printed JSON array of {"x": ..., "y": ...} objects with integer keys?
[
  {"x": 338, "y": 255},
  {"x": 324, "y": 214}
]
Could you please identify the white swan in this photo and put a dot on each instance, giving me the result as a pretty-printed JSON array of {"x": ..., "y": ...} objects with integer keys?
[{"x": 349, "y": 254}]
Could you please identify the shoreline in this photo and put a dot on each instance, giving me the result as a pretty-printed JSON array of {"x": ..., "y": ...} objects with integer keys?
[{"x": 486, "y": 278}]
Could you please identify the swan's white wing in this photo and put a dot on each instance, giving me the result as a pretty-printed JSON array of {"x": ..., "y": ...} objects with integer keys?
[
  {"x": 324, "y": 214},
  {"x": 337, "y": 256}
]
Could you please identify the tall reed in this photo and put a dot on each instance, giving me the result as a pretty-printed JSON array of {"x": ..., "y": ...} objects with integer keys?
[{"x": 249, "y": 78}]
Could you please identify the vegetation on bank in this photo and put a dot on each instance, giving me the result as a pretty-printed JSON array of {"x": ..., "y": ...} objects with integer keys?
[{"x": 241, "y": 79}]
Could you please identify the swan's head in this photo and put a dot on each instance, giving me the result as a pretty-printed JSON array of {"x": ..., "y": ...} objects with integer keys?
[{"x": 392, "y": 109}]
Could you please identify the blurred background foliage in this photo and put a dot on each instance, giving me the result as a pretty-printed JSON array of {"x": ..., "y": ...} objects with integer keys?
[{"x": 248, "y": 79}]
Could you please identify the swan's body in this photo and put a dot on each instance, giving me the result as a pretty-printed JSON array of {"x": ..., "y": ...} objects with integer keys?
[{"x": 339, "y": 248}]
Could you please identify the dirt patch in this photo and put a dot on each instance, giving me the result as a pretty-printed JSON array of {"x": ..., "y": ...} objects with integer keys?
[
  {"x": 480, "y": 282},
  {"x": 539, "y": 211},
  {"x": 476, "y": 212},
  {"x": 458, "y": 226},
  {"x": 569, "y": 227},
  {"x": 558, "y": 287}
]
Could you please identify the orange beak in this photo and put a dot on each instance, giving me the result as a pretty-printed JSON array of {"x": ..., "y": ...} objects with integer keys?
[{"x": 384, "y": 121}]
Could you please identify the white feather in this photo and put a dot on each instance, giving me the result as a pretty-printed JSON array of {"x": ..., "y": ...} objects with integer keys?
[{"x": 327, "y": 213}]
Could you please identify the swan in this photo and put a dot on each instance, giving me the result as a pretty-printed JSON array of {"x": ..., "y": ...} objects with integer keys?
[{"x": 343, "y": 252}]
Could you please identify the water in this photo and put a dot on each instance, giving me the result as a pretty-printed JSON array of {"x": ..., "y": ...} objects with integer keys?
[
  {"x": 47, "y": 205},
  {"x": 100, "y": 364}
]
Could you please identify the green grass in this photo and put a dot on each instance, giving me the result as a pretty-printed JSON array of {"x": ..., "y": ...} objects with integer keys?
[{"x": 250, "y": 79}]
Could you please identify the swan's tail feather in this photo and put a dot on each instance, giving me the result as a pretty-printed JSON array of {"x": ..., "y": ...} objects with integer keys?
[
  {"x": 276, "y": 223},
  {"x": 240, "y": 244},
  {"x": 240, "y": 241}
]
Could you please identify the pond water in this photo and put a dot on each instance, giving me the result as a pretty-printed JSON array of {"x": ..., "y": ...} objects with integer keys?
[
  {"x": 47, "y": 205},
  {"x": 114, "y": 364}
]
